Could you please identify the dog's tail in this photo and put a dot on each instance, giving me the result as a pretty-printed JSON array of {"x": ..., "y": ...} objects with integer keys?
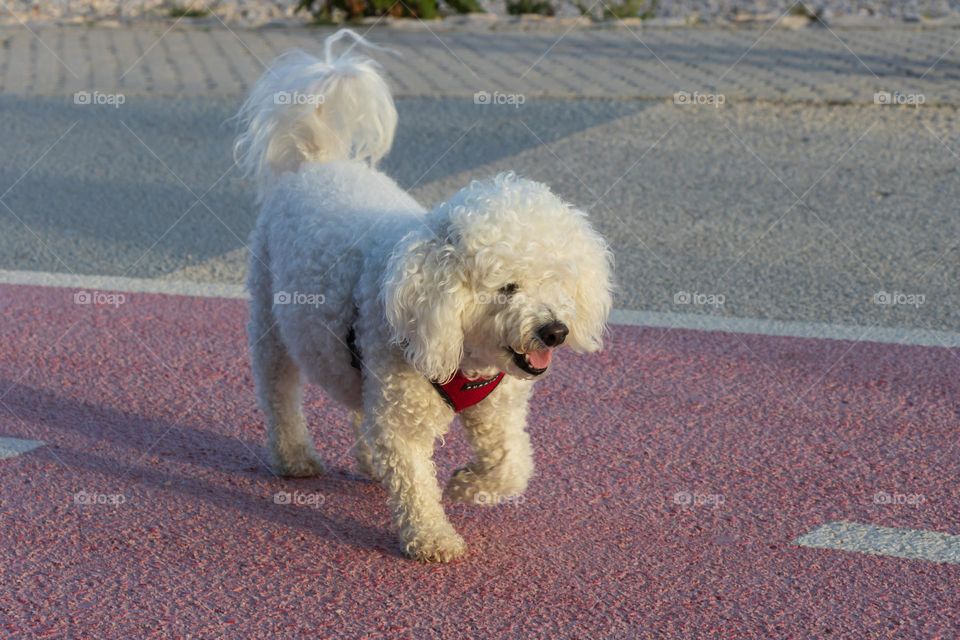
[{"x": 304, "y": 109}]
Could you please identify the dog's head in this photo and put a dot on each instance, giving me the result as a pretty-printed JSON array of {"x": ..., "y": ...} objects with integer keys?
[{"x": 496, "y": 279}]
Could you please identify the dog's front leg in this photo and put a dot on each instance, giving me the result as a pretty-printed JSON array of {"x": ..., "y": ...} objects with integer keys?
[
  {"x": 502, "y": 456},
  {"x": 402, "y": 431}
]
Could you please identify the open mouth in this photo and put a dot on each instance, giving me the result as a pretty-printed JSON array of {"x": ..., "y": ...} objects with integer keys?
[{"x": 534, "y": 362}]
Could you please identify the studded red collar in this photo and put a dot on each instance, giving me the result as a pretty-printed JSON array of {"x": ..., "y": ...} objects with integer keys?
[{"x": 462, "y": 392}]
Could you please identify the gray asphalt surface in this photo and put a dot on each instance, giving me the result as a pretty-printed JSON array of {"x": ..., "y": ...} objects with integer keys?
[
  {"x": 103, "y": 197},
  {"x": 792, "y": 212}
]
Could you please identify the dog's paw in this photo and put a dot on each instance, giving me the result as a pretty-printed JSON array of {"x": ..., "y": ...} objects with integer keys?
[
  {"x": 469, "y": 487},
  {"x": 463, "y": 486},
  {"x": 302, "y": 463},
  {"x": 443, "y": 547},
  {"x": 368, "y": 471},
  {"x": 364, "y": 458}
]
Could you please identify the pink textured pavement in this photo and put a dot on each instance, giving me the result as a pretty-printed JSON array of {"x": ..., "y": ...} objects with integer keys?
[{"x": 152, "y": 400}]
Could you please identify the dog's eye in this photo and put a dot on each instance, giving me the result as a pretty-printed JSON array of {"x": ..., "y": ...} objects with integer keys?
[{"x": 509, "y": 289}]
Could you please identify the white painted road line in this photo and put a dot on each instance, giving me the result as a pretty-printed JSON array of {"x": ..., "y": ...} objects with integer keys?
[
  {"x": 912, "y": 544},
  {"x": 759, "y": 326},
  {"x": 628, "y": 317},
  {"x": 10, "y": 447},
  {"x": 126, "y": 285}
]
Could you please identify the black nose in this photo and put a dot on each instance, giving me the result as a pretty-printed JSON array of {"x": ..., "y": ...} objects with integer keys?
[{"x": 553, "y": 334}]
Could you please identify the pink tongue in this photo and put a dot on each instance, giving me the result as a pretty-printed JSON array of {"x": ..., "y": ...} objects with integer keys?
[{"x": 540, "y": 359}]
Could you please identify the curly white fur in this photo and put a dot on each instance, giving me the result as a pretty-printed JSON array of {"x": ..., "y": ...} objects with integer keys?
[{"x": 467, "y": 286}]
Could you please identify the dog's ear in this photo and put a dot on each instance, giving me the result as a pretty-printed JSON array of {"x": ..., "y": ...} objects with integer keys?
[
  {"x": 594, "y": 296},
  {"x": 424, "y": 293}
]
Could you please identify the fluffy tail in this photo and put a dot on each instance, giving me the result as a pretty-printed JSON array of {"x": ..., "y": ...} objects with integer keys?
[{"x": 304, "y": 109}]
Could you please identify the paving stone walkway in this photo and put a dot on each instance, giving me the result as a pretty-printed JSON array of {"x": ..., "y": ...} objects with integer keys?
[{"x": 813, "y": 65}]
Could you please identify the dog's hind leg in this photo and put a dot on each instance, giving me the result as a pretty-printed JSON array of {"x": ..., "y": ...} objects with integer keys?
[
  {"x": 361, "y": 448},
  {"x": 278, "y": 382}
]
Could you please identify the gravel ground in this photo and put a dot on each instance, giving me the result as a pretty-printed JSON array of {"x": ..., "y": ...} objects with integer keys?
[
  {"x": 904, "y": 10},
  {"x": 263, "y": 12}
]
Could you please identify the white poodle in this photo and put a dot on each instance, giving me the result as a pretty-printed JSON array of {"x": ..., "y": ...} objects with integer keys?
[{"x": 403, "y": 315}]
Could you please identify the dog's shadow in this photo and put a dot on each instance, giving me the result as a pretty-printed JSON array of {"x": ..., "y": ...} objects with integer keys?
[{"x": 177, "y": 444}]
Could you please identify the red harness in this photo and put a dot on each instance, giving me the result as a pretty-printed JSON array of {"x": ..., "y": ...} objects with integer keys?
[{"x": 462, "y": 392}]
